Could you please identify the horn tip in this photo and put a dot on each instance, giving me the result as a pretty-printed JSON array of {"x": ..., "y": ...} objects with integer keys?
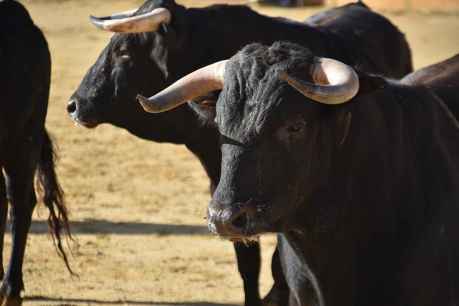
[
  {"x": 146, "y": 105},
  {"x": 96, "y": 21}
]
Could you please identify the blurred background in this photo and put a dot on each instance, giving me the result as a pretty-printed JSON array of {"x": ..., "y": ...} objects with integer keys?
[
  {"x": 430, "y": 6},
  {"x": 137, "y": 207},
  {"x": 426, "y": 6},
  {"x": 399, "y": 6}
]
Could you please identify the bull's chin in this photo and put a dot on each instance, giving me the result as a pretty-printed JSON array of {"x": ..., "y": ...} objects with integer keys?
[
  {"x": 250, "y": 234},
  {"x": 89, "y": 124}
]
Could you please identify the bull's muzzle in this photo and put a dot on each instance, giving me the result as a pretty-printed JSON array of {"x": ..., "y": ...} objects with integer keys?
[
  {"x": 74, "y": 111},
  {"x": 231, "y": 221}
]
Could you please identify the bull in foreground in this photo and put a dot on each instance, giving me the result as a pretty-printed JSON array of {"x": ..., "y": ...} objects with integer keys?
[
  {"x": 26, "y": 149},
  {"x": 162, "y": 41},
  {"x": 358, "y": 174}
]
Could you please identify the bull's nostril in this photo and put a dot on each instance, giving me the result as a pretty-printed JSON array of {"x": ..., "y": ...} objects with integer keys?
[
  {"x": 241, "y": 221},
  {"x": 71, "y": 107}
]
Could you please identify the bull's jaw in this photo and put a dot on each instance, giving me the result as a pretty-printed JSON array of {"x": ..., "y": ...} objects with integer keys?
[{"x": 88, "y": 125}]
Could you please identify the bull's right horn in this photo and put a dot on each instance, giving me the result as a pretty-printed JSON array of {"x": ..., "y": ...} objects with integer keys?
[
  {"x": 124, "y": 23},
  {"x": 195, "y": 84}
]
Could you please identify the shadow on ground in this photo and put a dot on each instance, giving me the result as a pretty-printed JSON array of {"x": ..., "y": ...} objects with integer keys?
[
  {"x": 97, "y": 226},
  {"x": 75, "y": 301}
]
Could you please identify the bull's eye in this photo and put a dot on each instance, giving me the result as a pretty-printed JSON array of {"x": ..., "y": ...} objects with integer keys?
[
  {"x": 293, "y": 130},
  {"x": 123, "y": 54},
  {"x": 296, "y": 127}
]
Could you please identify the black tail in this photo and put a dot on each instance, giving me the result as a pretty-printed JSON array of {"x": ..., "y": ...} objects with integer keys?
[{"x": 53, "y": 197}]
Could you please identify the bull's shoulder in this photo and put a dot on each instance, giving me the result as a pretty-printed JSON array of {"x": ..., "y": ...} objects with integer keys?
[{"x": 329, "y": 17}]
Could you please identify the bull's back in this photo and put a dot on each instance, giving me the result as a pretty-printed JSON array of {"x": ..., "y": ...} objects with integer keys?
[
  {"x": 371, "y": 40},
  {"x": 442, "y": 78},
  {"x": 439, "y": 74}
]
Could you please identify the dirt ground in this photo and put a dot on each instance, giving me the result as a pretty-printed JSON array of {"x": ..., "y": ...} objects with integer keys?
[{"x": 137, "y": 207}]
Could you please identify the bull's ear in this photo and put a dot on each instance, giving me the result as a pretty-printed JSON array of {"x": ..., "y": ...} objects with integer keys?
[
  {"x": 370, "y": 83},
  {"x": 206, "y": 112},
  {"x": 160, "y": 53},
  {"x": 170, "y": 36}
]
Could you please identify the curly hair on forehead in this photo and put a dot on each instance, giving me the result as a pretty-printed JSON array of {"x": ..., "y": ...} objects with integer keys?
[{"x": 257, "y": 63}]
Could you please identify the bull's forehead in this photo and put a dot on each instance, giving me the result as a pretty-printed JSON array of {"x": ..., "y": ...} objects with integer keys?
[
  {"x": 130, "y": 40},
  {"x": 248, "y": 102},
  {"x": 253, "y": 89}
]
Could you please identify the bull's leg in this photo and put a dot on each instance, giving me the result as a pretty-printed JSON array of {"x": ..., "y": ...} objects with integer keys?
[
  {"x": 19, "y": 184},
  {"x": 3, "y": 215},
  {"x": 248, "y": 263},
  {"x": 302, "y": 283},
  {"x": 279, "y": 293}
]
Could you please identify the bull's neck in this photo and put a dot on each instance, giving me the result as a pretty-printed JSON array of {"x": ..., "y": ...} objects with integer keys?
[{"x": 227, "y": 29}]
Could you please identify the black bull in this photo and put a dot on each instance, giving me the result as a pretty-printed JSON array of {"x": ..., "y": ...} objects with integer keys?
[
  {"x": 442, "y": 78},
  {"x": 365, "y": 195},
  {"x": 148, "y": 62},
  {"x": 25, "y": 146},
  {"x": 358, "y": 174}
]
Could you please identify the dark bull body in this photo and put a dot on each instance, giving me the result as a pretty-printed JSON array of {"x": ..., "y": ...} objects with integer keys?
[
  {"x": 365, "y": 194},
  {"x": 442, "y": 78},
  {"x": 25, "y": 146},
  {"x": 148, "y": 62}
]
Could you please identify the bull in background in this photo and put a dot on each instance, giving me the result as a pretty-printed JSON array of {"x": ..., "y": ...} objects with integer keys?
[
  {"x": 442, "y": 78},
  {"x": 163, "y": 41},
  {"x": 358, "y": 174},
  {"x": 26, "y": 149}
]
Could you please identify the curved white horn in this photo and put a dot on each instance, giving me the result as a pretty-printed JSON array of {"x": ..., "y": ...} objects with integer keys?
[
  {"x": 195, "y": 84},
  {"x": 123, "y": 23},
  {"x": 124, "y": 14},
  {"x": 333, "y": 82}
]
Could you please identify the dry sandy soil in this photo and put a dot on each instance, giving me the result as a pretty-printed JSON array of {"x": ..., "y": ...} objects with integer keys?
[{"x": 137, "y": 207}]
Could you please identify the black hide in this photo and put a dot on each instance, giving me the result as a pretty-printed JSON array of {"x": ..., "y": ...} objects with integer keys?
[
  {"x": 26, "y": 149},
  {"x": 148, "y": 62},
  {"x": 442, "y": 78},
  {"x": 364, "y": 195}
]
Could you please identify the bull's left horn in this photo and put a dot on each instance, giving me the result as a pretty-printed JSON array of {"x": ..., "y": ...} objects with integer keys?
[
  {"x": 124, "y": 23},
  {"x": 333, "y": 82},
  {"x": 195, "y": 84}
]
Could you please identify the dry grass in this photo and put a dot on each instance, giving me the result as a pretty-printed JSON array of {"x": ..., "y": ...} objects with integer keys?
[{"x": 137, "y": 207}]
